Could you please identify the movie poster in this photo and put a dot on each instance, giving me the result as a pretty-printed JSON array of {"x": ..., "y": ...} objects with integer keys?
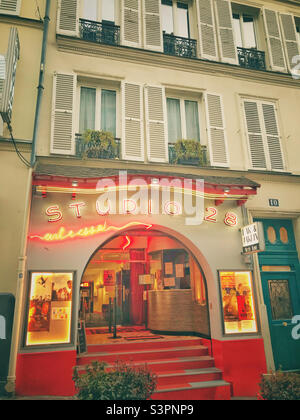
[{"x": 47, "y": 288}]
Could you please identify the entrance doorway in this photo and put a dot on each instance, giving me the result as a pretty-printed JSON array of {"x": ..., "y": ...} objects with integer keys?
[
  {"x": 280, "y": 276},
  {"x": 125, "y": 271}
]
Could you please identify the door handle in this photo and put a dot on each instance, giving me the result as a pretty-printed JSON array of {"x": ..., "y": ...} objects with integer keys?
[{"x": 284, "y": 324}]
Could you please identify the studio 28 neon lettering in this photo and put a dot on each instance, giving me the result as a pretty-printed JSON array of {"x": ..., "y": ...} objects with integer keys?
[{"x": 54, "y": 213}]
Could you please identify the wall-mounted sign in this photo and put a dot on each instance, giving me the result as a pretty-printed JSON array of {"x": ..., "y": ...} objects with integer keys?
[
  {"x": 146, "y": 279},
  {"x": 253, "y": 238},
  {"x": 12, "y": 57},
  {"x": 273, "y": 202}
]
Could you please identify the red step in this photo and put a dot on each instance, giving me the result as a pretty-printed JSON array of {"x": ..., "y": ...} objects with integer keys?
[
  {"x": 184, "y": 369},
  {"x": 141, "y": 345},
  {"x": 144, "y": 355}
]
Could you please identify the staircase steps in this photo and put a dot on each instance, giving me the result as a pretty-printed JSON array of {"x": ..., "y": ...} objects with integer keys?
[{"x": 184, "y": 369}]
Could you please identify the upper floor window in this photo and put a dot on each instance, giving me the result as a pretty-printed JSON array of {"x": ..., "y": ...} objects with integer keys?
[
  {"x": 175, "y": 18},
  {"x": 10, "y": 7},
  {"x": 297, "y": 21},
  {"x": 99, "y": 10},
  {"x": 244, "y": 30},
  {"x": 98, "y": 109},
  {"x": 183, "y": 119}
]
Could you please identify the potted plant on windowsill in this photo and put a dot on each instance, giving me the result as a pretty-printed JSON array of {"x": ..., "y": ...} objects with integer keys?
[
  {"x": 190, "y": 152},
  {"x": 99, "y": 144}
]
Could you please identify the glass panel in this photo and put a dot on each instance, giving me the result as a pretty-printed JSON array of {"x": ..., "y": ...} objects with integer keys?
[
  {"x": 108, "y": 10},
  {"x": 108, "y": 111},
  {"x": 183, "y": 20},
  {"x": 174, "y": 120},
  {"x": 192, "y": 120},
  {"x": 284, "y": 235},
  {"x": 237, "y": 30},
  {"x": 271, "y": 234},
  {"x": 238, "y": 302},
  {"x": 87, "y": 109},
  {"x": 276, "y": 268},
  {"x": 167, "y": 17},
  {"x": 90, "y": 9},
  {"x": 50, "y": 309},
  {"x": 280, "y": 299},
  {"x": 249, "y": 32}
]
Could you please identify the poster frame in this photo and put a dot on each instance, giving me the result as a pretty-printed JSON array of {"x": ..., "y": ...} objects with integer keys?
[{"x": 73, "y": 325}]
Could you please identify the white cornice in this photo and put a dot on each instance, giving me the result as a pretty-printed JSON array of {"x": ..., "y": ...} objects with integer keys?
[{"x": 138, "y": 56}]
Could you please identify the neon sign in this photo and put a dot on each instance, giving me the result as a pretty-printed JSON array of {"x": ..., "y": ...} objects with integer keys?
[{"x": 62, "y": 234}]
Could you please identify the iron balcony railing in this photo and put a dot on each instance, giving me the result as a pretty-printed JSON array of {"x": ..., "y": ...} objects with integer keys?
[
  {"x": 173, "y": 158},
  {"x": 99, "y": 32},
  {"x": 94, "y": 150},
  {"x": 251, "y": 58},
  {"x": 181, "y": 47}
]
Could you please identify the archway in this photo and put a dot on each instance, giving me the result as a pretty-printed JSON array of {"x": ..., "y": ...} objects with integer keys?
[{"x": 152, "y": 276}]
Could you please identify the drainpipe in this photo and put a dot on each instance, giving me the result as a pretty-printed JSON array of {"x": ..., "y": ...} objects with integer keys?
[
  {"x": 22, "y": 260},
  {"x": 41, "y": 84}
]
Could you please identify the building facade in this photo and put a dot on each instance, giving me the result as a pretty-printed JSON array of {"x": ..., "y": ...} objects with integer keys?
[{"x": 197, "y": 98}]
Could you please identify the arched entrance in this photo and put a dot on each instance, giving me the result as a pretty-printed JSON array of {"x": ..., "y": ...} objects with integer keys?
[{"x": 154, "y": 279}]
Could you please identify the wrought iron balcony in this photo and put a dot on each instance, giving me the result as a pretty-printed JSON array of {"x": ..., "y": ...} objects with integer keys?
[
  {"x": 94, "y": 149},
  {"x": 173, "y": 158},
  {"x": 99, "y": 32},
  {"x": 251, "y": 58},
  {"x": 181, "y": 47}
]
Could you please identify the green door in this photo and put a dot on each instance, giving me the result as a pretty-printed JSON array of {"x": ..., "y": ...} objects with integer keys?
[
  {"x": 282, "y": 299},
  {"x": 280, "y": 276}
]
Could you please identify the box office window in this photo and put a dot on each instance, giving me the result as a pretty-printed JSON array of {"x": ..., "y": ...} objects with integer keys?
[
  {"x": 238, "y": 307},
  {"x": 50, "y": 309}
]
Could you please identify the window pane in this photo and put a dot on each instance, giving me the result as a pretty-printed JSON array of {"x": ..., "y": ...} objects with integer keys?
[
  {"x": 108, "y": 10},
  {"x": 280, "y": 299},
  {"x": 174, "y": 120},
  {"x": 249, "y": 32},
  {"x": 87, "y": 109},
  {"x": 108, "y": 111},
  {"x": 183, "y": 20},
  {"x": 237, "y": 30},
  {"x": 192, "y": 120},
  {"x": 167, "y": 17},
  {"x": 90, "y": 11}
]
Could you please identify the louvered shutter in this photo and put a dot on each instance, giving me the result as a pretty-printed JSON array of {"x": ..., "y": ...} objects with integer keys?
[
  {"x": 290, "y": 40},
  {"x": 62, "y": 127},
  {"x": 274, "y": 41},
  {"x": 153, "y": 39},
  {"x": 132, "y": 117},
  {"x": 68, "y": 18},
  {"x": 10, "y": 7},
  {"x": 255, "y": 135},
  {"x": 156, "y": 133},
  {"x": 272, "y": 136},
  {"x": 207, "y": 30},
  {"x": 225, "y": 32},
  {"x": 217, "y": 142},
  {"x": 131, "y": 23}
]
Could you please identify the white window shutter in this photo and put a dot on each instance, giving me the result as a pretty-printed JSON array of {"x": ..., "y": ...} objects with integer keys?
[
  {"x": 153, "y": 39},
  {"x": 272, "y": 136},
  {"x": 131, "y": 23},
  {"x": 217, "y": 141},
  {"x": 62, "y": 125},
  {"x": 133, "y": 124},
  {"x": 274, "y": 40},
  {"x": 225, "y": 33},
  {"x": 207, "y": 30},
  {"x": 290, "y": 40},
  {"x": 156, "y": 131},
  {"x": 255, "y": 135},
  {"x": 10, "y": 7},
  {"x": 68, "y": 17}
]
